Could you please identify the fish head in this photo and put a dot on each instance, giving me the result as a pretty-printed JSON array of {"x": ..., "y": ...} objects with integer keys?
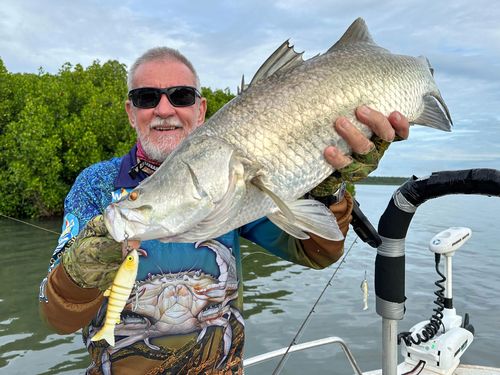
[{"x": 189, "y": 187}]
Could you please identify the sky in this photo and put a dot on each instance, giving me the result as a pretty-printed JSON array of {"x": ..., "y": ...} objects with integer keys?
[{"x": 225, "y": 39}]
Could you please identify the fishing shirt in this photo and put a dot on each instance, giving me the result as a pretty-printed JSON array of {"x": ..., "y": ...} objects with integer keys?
[{"x": 185, "y": 312}]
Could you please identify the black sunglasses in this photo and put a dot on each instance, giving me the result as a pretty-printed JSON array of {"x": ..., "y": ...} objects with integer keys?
[{"x": 178, "y": 96}]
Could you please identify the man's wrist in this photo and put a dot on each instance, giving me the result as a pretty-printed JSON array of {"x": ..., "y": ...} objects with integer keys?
[{"x": 330, "y": 199}]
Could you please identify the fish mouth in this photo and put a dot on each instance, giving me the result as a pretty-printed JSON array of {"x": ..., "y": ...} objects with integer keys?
[{"x": 131, "y": 224}]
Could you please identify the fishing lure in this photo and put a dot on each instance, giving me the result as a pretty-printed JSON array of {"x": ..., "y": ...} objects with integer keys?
[
  {"x": 118, "y": 294},
  {"x": 364, "y": 288}
]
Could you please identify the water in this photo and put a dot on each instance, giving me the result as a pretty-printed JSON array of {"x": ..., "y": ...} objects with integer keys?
[{"x": 279, "y": 295}]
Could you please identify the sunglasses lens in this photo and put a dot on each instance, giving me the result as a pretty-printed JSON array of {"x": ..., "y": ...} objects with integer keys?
[
  {"x": 146, "y": 98},
  {"x": 149, "y": 97},
  {"x": 182, "y": 96}
]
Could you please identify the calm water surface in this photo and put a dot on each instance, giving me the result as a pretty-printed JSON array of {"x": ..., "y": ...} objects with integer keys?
[{"x": 279, "y": 295}]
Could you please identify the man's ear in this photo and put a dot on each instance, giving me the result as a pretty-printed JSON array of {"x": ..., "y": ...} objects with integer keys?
[
  {"x": 202, "y": 110},
  {"x": 129, "y": 107}
]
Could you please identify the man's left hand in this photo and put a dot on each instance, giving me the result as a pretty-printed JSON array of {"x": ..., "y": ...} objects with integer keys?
[{"x": 366, "y": 153}]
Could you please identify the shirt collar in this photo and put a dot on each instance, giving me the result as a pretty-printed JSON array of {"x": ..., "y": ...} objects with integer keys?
[{"x": 124, "y": 180}]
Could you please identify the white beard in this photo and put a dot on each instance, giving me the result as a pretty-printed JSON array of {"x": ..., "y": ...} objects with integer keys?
[{"x": 161, "y": 148}]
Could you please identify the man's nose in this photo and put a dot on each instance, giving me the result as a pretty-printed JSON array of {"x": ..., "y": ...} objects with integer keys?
[{"x": 164, "y": 107}]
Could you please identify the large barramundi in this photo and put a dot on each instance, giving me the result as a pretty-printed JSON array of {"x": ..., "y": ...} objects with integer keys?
[{"x": 264, "y": 149}]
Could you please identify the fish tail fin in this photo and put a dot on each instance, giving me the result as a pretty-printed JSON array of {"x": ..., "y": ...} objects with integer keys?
[
  {"x": 435, "y": 113},
  {"x": 107, "y": 333}
]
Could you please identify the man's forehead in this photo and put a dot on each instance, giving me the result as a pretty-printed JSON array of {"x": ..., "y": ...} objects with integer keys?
[{"x": 163, "y": 73}]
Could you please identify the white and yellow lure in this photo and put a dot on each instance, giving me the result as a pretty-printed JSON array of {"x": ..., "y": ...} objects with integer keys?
[
  {"x": 364, "y": 289},
  {"x": 118, "y": 295}
]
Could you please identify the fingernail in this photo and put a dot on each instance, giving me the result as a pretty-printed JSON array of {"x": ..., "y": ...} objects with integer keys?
[
  {"x": 364, "y": 110},
  {"x": 332, "y": 152},
  {"x": 343, "y": 123},
  {"x": 397, "y": 116}
]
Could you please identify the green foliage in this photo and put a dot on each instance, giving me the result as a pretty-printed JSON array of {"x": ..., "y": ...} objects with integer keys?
[
  {"x": 54, "y": 125},
  {"x": 215, "y": 99}
]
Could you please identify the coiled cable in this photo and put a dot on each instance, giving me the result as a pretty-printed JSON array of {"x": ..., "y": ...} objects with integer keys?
[{"x": 435, "y": 322}]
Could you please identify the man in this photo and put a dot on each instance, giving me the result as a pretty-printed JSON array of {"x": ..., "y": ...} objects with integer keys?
[{"x": 184, "y": 314}]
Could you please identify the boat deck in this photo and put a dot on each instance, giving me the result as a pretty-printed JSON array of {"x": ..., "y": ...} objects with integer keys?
[{"x": 461, "y": 370}]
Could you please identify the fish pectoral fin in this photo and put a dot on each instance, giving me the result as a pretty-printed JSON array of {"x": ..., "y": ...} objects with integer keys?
[
  {"x": 283, "y": 207},
  {"x": 435, "y": 114},
  {"x": 309, "y": 216}
]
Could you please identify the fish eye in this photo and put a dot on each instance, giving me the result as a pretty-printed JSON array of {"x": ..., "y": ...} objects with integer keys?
[
  {"x": 133, "y": 195},
  {"x": 130, "y": 258}
]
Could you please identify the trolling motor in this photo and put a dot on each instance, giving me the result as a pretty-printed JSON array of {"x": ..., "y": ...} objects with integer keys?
[
  {"x": 390, "y": 259},
  {"x": 440, "y": 341}
]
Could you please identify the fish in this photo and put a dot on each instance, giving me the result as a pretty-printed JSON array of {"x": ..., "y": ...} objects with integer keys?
[
  {"x": 364, "y": 288},
  {"x": 262, "y": 151},
  {"x": 118, "y": 294}
]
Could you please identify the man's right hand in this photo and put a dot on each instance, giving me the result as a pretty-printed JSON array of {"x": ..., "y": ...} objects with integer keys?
[{"x": 94, "y": 258}]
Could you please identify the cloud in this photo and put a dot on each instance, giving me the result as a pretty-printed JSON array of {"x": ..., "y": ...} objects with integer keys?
[{"x": 226, "y": 39}]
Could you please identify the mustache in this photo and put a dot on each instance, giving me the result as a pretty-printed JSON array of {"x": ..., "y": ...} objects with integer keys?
[{"x": 158, "y": 121}]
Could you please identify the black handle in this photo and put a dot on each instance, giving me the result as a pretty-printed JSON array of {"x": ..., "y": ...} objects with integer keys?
[{"x": 396, "y": 219}]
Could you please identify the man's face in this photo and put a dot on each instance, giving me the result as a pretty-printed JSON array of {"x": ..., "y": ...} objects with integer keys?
[{"x": 161, "y": 129}]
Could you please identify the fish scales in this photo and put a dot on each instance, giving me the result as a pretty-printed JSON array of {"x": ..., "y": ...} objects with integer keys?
[
  {"x": 294, "y": 152},
  {"x": 264, "y": 150}
]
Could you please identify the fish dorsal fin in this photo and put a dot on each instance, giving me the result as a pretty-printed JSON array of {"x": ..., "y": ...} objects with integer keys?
[
  {"x": 243, "y": 86},
  {"x": 283, "y": 58},
  {"x": 356, "y": 33}
]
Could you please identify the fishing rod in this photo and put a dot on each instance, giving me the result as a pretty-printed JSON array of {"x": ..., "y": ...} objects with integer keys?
[
  {"x": 367, "y": 233},
  {"x": 32, "y": 225},
  {"x": 285, "y": 355}
]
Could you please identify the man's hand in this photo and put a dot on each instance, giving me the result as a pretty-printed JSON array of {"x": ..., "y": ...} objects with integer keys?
[
  {"x": 94, "y": 258},
  {"x": 366, "y": 153}
]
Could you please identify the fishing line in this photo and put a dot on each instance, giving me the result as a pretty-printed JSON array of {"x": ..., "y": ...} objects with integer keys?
[
  {"x": 281, "y": 363},
  {"x": 33, "y": 225}
]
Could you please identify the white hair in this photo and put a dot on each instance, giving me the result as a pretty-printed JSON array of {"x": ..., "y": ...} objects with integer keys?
[{"x": 160, "y": 53}]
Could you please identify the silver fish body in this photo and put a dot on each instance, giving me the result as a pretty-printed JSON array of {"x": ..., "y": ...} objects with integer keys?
[{"x": 263, "y": 150}]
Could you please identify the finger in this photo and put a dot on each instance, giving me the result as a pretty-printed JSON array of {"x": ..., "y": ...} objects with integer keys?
[
  {"x": 377, "y": 122},
  {"x": 354, "y": 137},
  {"x": 400, "y": 124},
  {"x": 336, "y": 158}
]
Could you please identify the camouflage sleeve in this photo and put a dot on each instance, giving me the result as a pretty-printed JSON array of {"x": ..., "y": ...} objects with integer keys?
[
  {"x": 88, "y": 197},
  {"x": 64, "y": 305}
]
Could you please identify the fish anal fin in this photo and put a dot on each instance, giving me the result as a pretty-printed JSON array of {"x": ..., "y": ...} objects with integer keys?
[
  {"x": 107, "y": 292},
  {"x": 435, "y": 114}
]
